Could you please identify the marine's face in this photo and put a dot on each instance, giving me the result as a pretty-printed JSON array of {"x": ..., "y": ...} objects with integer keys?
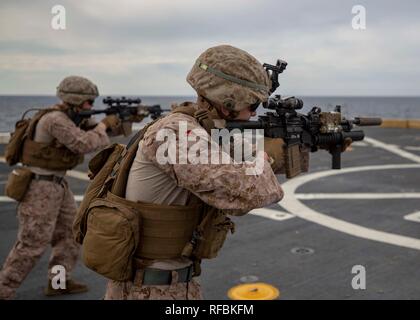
[
  {"x": 87, "y": 105},
  {"x": 246, "y": 114}
]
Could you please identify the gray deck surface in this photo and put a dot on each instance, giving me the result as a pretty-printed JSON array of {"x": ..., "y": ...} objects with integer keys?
[{"x": 262, "y": 247}]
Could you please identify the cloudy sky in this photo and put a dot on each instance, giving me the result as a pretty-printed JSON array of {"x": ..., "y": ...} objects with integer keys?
[{"x": 146, "y": 47}]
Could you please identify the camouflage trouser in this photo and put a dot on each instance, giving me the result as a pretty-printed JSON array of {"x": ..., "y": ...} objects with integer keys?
[
  {"x": 129, "y": 290},
  {"x": 45, "y": 217}
]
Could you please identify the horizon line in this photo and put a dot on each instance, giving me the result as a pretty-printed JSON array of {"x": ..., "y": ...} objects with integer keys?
[{"x": 185, "y": 95}]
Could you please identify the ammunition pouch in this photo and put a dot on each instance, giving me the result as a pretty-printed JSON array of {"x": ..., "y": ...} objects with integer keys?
[
  {"x": 209, "y": 236},
  {"x": 18, "y": 183},
  {"x": 111, "y": 239},
  {"x": 13, "y": 149},
  {"x": 100, "y": 166}
]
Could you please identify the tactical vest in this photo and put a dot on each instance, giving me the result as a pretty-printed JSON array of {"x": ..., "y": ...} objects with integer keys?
[
  {"x": 196, "y": 231},
  {"x": 172, "y": 231},
  {"x": 46, "y": 155}
]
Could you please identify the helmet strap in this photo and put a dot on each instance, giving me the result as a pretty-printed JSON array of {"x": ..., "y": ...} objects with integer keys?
[
  {"x": 71, "y": 111},
  {"x": 203, "y": 101}
]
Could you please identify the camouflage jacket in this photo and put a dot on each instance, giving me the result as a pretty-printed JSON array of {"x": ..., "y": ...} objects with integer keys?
[
  {"x": 231, "y": 186},
  {"x": 56, "y": 127}
]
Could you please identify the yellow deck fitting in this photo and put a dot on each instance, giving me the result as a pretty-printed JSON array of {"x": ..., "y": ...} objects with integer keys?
[
  {"x": 401, "y": 123},
  {"x": 253, "y": 291}
]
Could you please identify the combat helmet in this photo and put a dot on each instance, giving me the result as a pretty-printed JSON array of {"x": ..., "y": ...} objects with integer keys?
[
  {"x": 75, "y": 90},
  {"x": 229, "y": 77}
]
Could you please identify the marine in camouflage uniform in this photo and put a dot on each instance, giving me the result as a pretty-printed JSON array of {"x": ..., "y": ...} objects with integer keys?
[
  {"x": 47, "y": 211},
  {"x": 222, "y": 186}
]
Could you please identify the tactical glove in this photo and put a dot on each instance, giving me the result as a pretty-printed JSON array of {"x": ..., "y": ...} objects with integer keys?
[
  {"x": 346, "y": 144},
  {"x": 136, "y": 118},
  {"x": 112, "y": 122},
  {"x": 125, "y": 128},
  {"x": 274, "y": 148}
]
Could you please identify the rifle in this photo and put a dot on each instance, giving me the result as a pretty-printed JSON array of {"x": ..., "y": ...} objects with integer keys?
[
  {"x": 314, "y": 130},
  {"x": 126, "y": 108}
]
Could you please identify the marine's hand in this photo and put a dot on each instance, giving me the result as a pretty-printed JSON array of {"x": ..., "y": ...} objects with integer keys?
[
  {"x": 273, "y": 147},
  {"x": 124, "y": 129},
  {"x": 304, "y": 158},
  {"x": 136, "y": 118},
  {"x": 266, "y": 157},
  {"x": 112, "y": 122},
  {"x": 346, "y": 144}
]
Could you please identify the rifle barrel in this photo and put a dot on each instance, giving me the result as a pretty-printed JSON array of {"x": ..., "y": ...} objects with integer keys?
[
  {"x": 244, "y": 125},
  {"x": 88, "y": 113},
  {"x": 367, "y": 121}
]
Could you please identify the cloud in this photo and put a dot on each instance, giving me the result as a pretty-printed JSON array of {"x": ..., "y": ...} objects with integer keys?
[{"x": 127, "y": 45}]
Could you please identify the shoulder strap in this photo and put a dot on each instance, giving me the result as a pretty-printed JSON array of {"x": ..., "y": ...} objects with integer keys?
[
  {"x": 117, "y": 179},
  {"x": 202, "y": 116},
  {"x": 34, "y": 121},
  {"x": 185, "y": 109}
]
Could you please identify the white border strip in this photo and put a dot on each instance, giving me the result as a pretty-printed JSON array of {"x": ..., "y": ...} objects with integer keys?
[
  {"x": 71, "y": 173},
  {"x": 393, "y": 149},
  {"x": 4, "y": 137},
  {"x": 272, "y": 214},
  {"x": 293, "y": 205},
  {"x": 78, "y": 198},
  {"x": 361, "y": 196},
  {"x": 78, "y": 175},
  {"x": 415, "y": 216},
  {"x": 412, "y": 148}
]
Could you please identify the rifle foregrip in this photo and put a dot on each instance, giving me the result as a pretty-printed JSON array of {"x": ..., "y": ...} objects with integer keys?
[
  {"x": 336, "y": 158},
  {"x": 368, "y": 121}
]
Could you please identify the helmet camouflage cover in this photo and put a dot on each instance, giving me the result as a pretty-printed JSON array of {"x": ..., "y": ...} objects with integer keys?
[
  {"x": 230, "y": 77},
  {"x": 75, "y": 90}
]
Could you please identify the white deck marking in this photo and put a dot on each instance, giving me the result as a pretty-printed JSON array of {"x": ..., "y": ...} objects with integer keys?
[
  {"x": 78, "y": 175},
  {"x": 71, "y": 173},
  {"x": 6, "y": 199},
  {"x": 4, "y": 137},
  {"x": 412, "y": 148},
  {"x": 393, "y": 149},
  {"x": 78, "y": 198},
  {"x": 362, "y": 196},
  {"x": 272, "y": 214},
  {"x": 360, "y": 144},
  {"x": 293, "y": 205},
  {"x": 413, "y": 216}
]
